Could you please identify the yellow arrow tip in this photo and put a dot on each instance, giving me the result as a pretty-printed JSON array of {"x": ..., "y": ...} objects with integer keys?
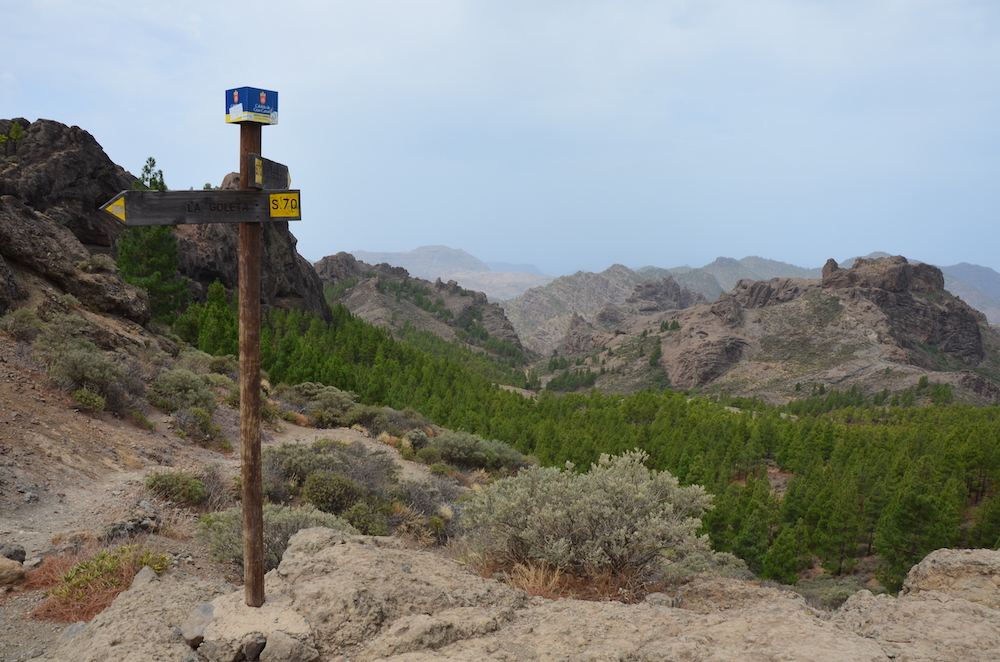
[{"x": 116, "y": 207}]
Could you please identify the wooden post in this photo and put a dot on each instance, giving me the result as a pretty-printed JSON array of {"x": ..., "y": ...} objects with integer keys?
[{"x": 249, "y": 302}]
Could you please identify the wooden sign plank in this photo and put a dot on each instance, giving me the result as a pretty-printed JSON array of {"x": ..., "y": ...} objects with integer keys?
[
  {"x": 195, "y": 207},
  {"x": 268, "y": 174}
]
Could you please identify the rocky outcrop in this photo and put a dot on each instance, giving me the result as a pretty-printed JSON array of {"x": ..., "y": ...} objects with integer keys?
[
  {"x": 35, "y": 244},
  {"x": 288, "y": 280},
  {"x": 337, "y": 597},
  {"x": 707, "y": 360},
  {"x": 657, "y": 296},
  {"x": 343, "y": 266},
  {"x": 63, "y": 172},
  {"x": 760, "y": 293},
  {"x": 647, "y": 298},
  {"x": 917, "y": 309},
  {"x": 60, "y": 176},
  {"x": 581, "y": 337},
  {"x": 894, "y": 274},
  {"x": 971, "y": 574}
]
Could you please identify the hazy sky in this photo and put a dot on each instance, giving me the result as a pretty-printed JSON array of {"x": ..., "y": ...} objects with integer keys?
[{"x": 567, "y": 134}]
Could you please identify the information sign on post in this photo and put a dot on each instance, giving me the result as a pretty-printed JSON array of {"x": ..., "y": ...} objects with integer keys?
[
  {"x": 251, "y": 104},
  {"x": 263, "y": 196}
]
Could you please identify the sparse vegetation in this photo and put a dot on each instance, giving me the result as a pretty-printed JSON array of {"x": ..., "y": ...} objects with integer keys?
[
  {"x": 618, "y": 518},
  {"x": 92, "y": 584},
  {"x": 178, "y": 487},
  {"x": 223, "y": 531}
]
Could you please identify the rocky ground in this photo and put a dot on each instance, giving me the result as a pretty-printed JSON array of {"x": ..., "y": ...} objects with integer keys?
[{"x": 66, "y": 472}]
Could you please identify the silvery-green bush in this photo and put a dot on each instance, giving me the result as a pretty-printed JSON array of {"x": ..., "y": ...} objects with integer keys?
[
  {"x": 224, "y": 531},
  {"x": 618, "y": 517}
]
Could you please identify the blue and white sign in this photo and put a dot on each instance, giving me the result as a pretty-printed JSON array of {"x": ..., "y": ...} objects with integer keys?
[{"x": 250, "y": 104}]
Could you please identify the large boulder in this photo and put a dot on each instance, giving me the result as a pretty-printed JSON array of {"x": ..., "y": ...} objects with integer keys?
[{"x": 972, "y": 574}]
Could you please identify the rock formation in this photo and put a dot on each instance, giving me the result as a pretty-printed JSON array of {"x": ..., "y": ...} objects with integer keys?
[
  {"x": 62, "y": 172},
  {"x": 370, "y": 299},
  {"x": 339, "y": 598},
  {"x": 35, "y": 245},
  {"x": 53, "y": 187}
]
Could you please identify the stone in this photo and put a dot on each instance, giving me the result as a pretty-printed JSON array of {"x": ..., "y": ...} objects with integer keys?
[
  {"x": 11, "y": 572},
  {"x": 193, "y": 627},
  {"x": 12, "y": 551},
  {"x": 972, "y": 574},
  {"x": 284, "y": 648},
  {"x": 143, "y": 577}
]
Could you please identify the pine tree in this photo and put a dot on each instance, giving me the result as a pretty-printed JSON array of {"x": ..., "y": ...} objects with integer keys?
[
  {"x": 147, "y": 257},
  {"x": 789, "y": 554},
  {"x": 218, "y": 326},
  {"x": 922, "y": 516}
]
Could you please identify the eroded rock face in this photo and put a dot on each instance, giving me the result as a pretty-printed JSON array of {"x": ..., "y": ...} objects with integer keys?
[
  {"x": 894, "y": 274},
  {"x": 367, "y": 300},
  {"x": 63, "y": 172},
  {"x": 757, "y": 294}
]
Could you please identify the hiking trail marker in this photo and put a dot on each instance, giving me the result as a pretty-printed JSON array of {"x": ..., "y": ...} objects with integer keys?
[{"x": 263, "y": 197}]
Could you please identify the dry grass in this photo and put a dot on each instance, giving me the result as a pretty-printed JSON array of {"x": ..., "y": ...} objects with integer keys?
[
  {"x": 539, "y": 580},
  {"x": 545, "y": 581},
  {"x": 82, "y": 585},
  {"x": 410, "y": 526}
]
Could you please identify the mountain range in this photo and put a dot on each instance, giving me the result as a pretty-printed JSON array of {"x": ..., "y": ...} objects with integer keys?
[{"x": 977, "y": 285}]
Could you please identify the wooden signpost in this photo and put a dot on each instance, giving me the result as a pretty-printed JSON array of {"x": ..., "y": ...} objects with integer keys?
[{"x": 263, "y": 196}]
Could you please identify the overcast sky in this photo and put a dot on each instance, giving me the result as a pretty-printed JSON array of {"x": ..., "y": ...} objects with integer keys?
[{"x": 567, "y": 134}]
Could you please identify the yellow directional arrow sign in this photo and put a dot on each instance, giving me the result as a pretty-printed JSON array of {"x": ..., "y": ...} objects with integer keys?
[{"x": 196, "y": 207}]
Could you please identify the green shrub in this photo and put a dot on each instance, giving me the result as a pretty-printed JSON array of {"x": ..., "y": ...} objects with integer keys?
[
  {"x": 331, "y": 492},
  {"x": 224, "y": 365},
  {"x": 88, "y": 400},
  {"x": 216, "y": 380},
  {"x": 178, "y": 487},
  {"x": 223, "y": 531},
  {"x": 440, "y": 469},
  {"x": 196, "y": 422},
  {"x": 85, "y": 366},
  {"x": 471, "y": 451},
  {"x": 98, "y": 263},
  {"x": 21, "y": 324},
  {"x": 619, "y": 517},
  {"x": 374, "y": 419},
  {"x": 292, "y": 464},
  {"x": 429, "y": 455},
  {"x": 181, "y": 389},
  {"x": 415, "y": 440},
  {"x": 367, "y": 518}
]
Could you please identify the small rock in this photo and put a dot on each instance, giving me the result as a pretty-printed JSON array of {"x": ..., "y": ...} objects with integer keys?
[
  {"x": 193, "y": 628},
  {"x": 143, "y": 577},
  {"x": 10, "y": 571},
  {"x": 253, "y": 644},
  {"x": 282, "y": 647},
  {"x": 12, "y": 551}
]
